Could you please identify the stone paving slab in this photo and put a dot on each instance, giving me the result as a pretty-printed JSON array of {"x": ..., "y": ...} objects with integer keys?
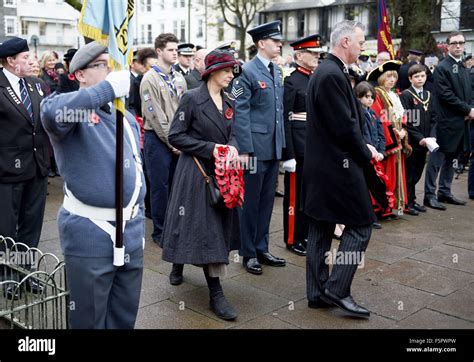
[
  {"x": 266, "y": 322},
  {"x": 459, "y": 304},
  {"x": 387, "y": 253},
  {"x": 449, "y": 256}
]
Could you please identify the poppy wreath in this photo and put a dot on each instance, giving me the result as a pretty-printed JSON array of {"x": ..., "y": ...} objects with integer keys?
[{"x": 230, "y": 179}]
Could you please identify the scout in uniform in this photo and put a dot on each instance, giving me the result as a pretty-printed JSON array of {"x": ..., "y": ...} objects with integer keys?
[
  {"x": 294, "y": 104},
  {"x": 185, "y": 58},
  {"x": 160, "y": 92},
  {"x": 24, "y": 158},
  {"x": 81, "y": 126},
  {"x": 260, "y": 135}
]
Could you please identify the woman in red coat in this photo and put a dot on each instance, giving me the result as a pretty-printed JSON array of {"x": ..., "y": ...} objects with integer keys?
[{"x": 389, "y": 109}]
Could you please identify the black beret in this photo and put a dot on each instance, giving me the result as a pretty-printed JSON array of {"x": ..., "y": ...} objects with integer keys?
[{"x": 13, "y": 47}]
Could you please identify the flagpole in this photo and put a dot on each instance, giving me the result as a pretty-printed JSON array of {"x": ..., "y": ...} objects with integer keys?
[{"x": 119, "y": 249}]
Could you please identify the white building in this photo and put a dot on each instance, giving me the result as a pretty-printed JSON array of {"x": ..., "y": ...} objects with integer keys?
[{"x": 53, "y": 24}]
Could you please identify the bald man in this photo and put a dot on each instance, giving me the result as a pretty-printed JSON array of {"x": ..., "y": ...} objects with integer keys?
[{"x": 193, "y": 79}]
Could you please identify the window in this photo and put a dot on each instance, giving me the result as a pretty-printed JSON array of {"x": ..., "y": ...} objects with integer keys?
[
  {"x": 182, "y": 3},
  {"x": 149, "y": 34},
  {"x": 182, "y": 33},
  {"x": 142, "y": 6},
  {"x": 142, "y": 33},
  {"x": 9, "y": 3},
  {"x": 24, "y": 27},
  {"x": 162, "y": 28},
  {"x": 10, "y": 25},
  {"x": 42, "y": 28},
  {"x": 148, "y": 6},
  {"x": 301, "y": 24},
  {"x": 162, "y": 4},
  {"x": 175, "y": 27},
  {"x": 200, "y": 28},
  {"x": 175, "y": 4}
]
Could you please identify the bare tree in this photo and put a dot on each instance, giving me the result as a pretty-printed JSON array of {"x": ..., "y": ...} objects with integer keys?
[{"x": 243, "y": 12}]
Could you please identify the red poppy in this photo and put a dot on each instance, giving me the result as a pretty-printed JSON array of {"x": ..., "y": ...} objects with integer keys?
[
  {"x": 71, "y": 76},
  {"x": 229, "y": 113},
  {"x": 262, "y": 84},
  {"x": 94, "y": 118}
]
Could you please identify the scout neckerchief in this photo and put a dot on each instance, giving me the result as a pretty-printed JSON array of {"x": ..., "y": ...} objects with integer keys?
[
  {"x": 425, "y": 103},
  {"x": 171, "y": 83}
]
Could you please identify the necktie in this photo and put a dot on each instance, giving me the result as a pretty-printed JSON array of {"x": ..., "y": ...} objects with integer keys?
[
  {"x": 270, "y": 67},
  {"x": 420, "y": 94},
  {"x": 25, "y": 98}
]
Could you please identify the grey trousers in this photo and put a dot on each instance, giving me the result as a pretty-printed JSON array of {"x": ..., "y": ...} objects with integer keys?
[
  {"x": 354, "y": 242},
  {"x": 104, "y": 296},
  {"x": 442, "y": 164}
]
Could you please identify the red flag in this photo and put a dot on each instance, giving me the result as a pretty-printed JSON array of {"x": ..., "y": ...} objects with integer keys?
[{"x": 384, "y": 36}]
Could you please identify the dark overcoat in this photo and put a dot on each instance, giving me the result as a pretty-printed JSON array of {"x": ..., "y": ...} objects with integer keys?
[
  {"x": 23, "y": 142},
  {"x": 334, "y": 186},
  {"x": 194, "y": 232},
  {"x": 452, "y": 103}
]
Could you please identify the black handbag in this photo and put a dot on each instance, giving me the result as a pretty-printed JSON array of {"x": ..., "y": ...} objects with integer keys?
[{"x": 213, "y": 192}]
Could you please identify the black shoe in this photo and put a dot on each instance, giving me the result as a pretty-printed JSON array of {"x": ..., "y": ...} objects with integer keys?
[
  {"x": 451, "y": 200},
  {"x": 304, "y": 243},
  {"x": 221, "y": 307},
  {"x": 51, "y": 174},
  {"x": 252, "y": 266},
  {"x": 376, "y": 225},
  {"x": 411, "y": 211},
  {"x": 176, "y": 275},
  {"x": 297, "y": 249},
  {"x": 419, "y": 207},
  {"x": 347, "y": 304},
  {"x": 279, "y": 194},
  {"x": 434, "y": 204},
  {"x": 471, "y": 197},
  {"x": 269, "y": 259},
  {"x": 319, "y": 304}
]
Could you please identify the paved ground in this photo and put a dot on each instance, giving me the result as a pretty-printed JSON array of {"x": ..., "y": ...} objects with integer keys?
[{"x": 418, "y": 273}]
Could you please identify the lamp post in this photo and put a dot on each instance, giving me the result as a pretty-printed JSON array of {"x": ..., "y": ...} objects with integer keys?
[{"x": 35, "y": 41}]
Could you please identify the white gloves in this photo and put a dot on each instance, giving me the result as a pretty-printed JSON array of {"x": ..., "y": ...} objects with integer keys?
[
  {"x": 120, "y": 82},
  {"x": 290, "y": 165}
]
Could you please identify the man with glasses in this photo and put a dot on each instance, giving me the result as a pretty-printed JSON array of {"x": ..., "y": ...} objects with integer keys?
[
  {"x": 81, "y": 126},
  {"x": 306, "y": 57},
  {"x": 454, "y": 111}
]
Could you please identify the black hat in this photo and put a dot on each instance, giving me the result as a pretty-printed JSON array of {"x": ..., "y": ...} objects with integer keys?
[
  {"x": 415, "y": 52},
  {"x": 69, "y": 54},
  {"x": 468, "y": 57},
  {"x": 385, "y": 67},
  {"x": 364, "y": 58},
  {"x": 220, "y": 59},
  {"x": 270, "y": 30},
  {"x": 186, "y": 49},
  {"x": 13, "y": 47},
  {"x": 311, "y": 43}
]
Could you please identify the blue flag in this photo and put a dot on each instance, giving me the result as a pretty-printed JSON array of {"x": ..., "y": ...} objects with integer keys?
[{"x": 111, "y": 23}]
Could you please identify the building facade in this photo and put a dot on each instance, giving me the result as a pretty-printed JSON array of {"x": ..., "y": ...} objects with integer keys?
[{"x": 8, "y": 19}]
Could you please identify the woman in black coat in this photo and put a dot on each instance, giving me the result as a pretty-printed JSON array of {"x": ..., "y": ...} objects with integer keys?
[{"x": 195, "y": 232}]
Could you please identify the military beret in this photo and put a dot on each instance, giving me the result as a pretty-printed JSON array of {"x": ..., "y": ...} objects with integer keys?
[
  {"x": 85, "y": 55},
  {"x": 415, "y": 52},
  {"x": 13, "y": 47},
  {"x": 69, "y": 54}
]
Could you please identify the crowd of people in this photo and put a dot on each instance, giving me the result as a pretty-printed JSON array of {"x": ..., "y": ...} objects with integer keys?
[{"x": 205, "y": 137}]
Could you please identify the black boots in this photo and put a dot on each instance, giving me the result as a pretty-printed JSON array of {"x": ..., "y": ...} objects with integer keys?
[
  {"x": 217, "y": 302},
  {"x": 176, "y": 275}
]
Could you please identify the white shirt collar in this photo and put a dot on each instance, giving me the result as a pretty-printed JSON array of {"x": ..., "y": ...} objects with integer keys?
[
  {"x": 455, "y": 59},
  {"x": 418, "y": 90},
  {"x": 12, "y": 78}
]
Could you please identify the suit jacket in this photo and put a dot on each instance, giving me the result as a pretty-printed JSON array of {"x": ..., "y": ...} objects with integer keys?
[
  {"x": 23, "y": 142},
  {"x": 421, "y": 123},
  {"x": 193, "y": 79},
  {"x": 259, "y": 127},
  {"x": 452, "y": 102},
  {"x": 334, "y": 187}
]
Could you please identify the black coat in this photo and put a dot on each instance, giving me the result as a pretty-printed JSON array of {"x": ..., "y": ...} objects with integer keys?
[
  {"x": 23, "y": 144},
  {"x": 421, "y": 123},
  {"x": 52, "y": 85},
  {"x": 294, "y": 101},
  {"x": 452, "y": 102},
  {"x": 334, "y": 186},
  {"x": 193, "y": 79},
  {"x": 67, "y": 83},
  {"x": 194, "y": 232}
]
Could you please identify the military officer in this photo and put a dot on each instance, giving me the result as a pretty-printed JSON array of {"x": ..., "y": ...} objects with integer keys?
[
  {"x": 260, "y": 135},
  {"x": 185, "y": 59},
  {"x": 294, "y": 104},
  {"x": 82, "y": 129},
  {"x": 24, "y": 159}
]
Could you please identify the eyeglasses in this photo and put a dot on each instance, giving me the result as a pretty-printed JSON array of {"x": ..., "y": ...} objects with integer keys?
[
  {"x": 457, "y": 43},
  {"x": 97, "y": 66}
]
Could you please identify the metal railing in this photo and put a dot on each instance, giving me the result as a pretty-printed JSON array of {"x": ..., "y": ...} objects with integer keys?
[{"x": 33, "y": 290}]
